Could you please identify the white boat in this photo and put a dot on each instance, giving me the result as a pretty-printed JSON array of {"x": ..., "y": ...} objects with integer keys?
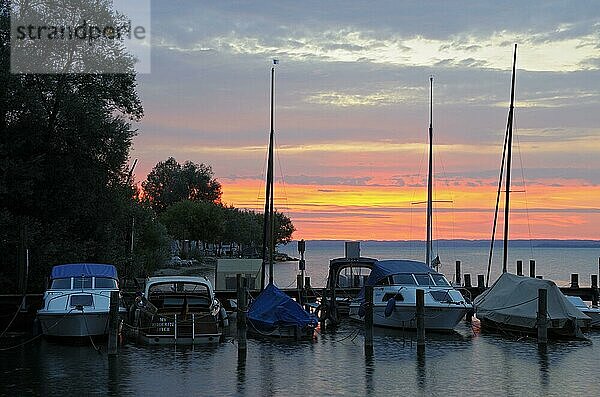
[
  {"x": 77, "y": 302},
  {"x": 395, "y": 283},
  {"x": 591, "y": 312},
  {"x": 177, "y": 310}
]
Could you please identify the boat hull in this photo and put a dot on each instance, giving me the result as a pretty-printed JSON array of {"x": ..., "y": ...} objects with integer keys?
[
  {"x": 568, "y": 331},
  {"x": 438, "y": 318},
  {"x": 282, "y": 332},
  {"x": 74, "y": 324}
]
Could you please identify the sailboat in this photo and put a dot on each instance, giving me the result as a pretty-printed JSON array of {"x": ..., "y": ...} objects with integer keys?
[
  {"x": 395, "y": 282},
  {"x": 273, "y": 313},
  {"x": 510, "y": 305}
]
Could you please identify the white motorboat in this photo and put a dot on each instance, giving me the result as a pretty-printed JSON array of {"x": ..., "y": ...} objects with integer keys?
[
  {"x": 395, "y": 283},
  {"x": 177, "y": 310},
  {"x": 77, "y": 302},
  {"x": 591, "y": 312}
]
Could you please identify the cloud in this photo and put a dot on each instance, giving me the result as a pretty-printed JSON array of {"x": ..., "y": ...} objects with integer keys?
[{"x": 326, "y": 180}]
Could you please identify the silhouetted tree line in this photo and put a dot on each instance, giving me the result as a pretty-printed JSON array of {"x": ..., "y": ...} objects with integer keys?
[{"x": 188, "y": 201}]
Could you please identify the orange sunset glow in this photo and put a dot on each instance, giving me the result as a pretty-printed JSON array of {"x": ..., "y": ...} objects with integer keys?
[{"x": 352, "y": 111}]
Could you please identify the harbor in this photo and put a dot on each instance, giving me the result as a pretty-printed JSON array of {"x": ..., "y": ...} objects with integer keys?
[
  {"x": 297, "y": 199},
  {"x": 335, "y": 360}
]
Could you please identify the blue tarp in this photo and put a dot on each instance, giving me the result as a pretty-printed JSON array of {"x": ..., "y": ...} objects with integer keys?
[
  {"x": 84, "y": 269},
  {"x": 273, "y": 308},
  {"x": 382, "y": 269}
]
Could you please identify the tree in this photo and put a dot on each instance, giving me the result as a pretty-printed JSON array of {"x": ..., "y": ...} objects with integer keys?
[
  {"x": 284, "y": 228},
  {"x": 64, "y": 148},
  {"x": 170, "y": 182}
]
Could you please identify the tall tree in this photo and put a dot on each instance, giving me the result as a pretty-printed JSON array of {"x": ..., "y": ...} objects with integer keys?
[
  {"x": 170, "y": 182},
  {"x": 64, "y": 148}
]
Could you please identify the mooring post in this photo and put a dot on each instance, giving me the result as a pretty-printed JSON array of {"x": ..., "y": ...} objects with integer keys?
[
  {"x": 457, "y": 277},
  {"x": 519, "y": 268},
  {"x": 542, "y": 317},
  {"x": 468, "y": 280},
  {"x": 369, "y": 320},
  {"x": 421, "y": 318},
  {"x": 595, "y": 293},
  {"x": 307, "y": 282},
  {"x": 242, "y": 308},
  {"x": 480, "y": 281},
  {"x": 574, "y": 280},
  {"x": 113, "y": 323},
  {"x": 300, "y": 288},
  {"x": 532, "y": 268}
]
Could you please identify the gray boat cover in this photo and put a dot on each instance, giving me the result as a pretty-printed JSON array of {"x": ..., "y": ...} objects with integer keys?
[{"x": 512, "y": 300}]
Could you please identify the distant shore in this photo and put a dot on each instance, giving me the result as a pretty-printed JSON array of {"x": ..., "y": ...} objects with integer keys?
[{"x": 539, "y": 243}]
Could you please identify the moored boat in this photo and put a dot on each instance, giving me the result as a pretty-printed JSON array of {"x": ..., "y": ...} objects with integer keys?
[
  {"x": 77, "y": 301},
  {"x": 511, "y": 305},
  {"x": 177, "y": 310},
  {"x": 395, "y": 283},
  {"x": 592, "y": 312}
]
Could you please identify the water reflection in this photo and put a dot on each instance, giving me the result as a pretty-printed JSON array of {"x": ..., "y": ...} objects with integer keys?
[
  {"x": 421, "y": 370},
  {"x": 543, "y": 364},
  {"x": 333, "y": 365},
  {"x": 369, "y": 371},
  {"x": 241, "y": 371}
]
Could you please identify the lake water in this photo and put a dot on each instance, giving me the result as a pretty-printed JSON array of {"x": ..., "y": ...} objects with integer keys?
[{"x": 462, "y": 362}]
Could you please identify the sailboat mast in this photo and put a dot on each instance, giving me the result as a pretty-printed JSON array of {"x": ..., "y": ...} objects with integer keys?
[
  {"x": 430, "y": 176},
  {"x": 271, "y": 178},
  {"x": 508, "y": 162},
  {"x": 267, "y": 256}
]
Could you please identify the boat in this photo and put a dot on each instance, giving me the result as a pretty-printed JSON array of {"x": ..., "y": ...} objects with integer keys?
[
  {"x": 592, "y": 312},
  {"x": 177, "y": 310},
  {"x": 395, "y": 284},
  {"x": 273, "y": 313},
  {"x": 511, "y": 305},
  {"x": 77, "y": 302}
]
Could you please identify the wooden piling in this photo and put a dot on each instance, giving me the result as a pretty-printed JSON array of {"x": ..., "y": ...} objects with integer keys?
[
  {"x": 420, "y": 314},
  {"x": 519, "y": 268},
  {"x": 594, "y": 282},
  {"x": 307, "y": 283},
  {"x": 241, "y": 315},
  {"x": 574, "y": 280},
  {"x": 369, "y": 320},
  {"x": 542, "y": 317},
  {"x": 468, "y": 280},
  {"x": 532, "y": 268},
  {"x": 480, "y": 281},
  {"x": 300, "y": 288},
  {"x": 457, "y": 277},
  {"x": 113, "y": 323}
]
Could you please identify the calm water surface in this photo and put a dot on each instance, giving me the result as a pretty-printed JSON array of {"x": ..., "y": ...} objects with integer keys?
[{"x": 334, "y": 363}]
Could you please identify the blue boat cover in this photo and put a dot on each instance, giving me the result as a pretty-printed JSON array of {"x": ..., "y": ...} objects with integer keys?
[
  {"x": 84, "y": 269},
  {"x": 273, "y": 308},
  {"x": 383, "y": 269}
]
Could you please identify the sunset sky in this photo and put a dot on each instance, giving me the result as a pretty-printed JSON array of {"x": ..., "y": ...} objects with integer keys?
[{"x": 352, "y": 111}]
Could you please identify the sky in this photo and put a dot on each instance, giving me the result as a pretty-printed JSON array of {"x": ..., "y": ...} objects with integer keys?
[{"x": 352, "y": 111}]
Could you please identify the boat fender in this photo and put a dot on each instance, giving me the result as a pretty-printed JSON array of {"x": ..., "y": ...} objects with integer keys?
[
  {"x": 390, "y": 307},
  {"x": 322, "y": 312},
  {"x": 224, "y": 317},
  {"x": 362, "y": 310}
]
